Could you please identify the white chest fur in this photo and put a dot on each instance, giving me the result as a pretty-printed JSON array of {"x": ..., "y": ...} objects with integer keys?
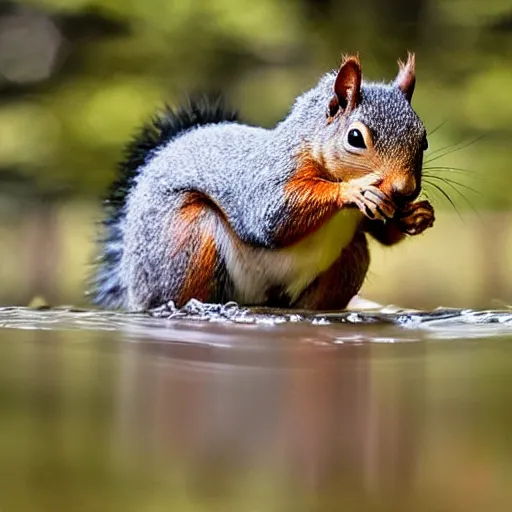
[{"x": 254, "y": 271}]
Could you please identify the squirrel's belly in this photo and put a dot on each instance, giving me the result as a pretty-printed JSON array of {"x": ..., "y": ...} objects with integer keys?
[
  {"x": 316, "y": 253},
  {"x": 254, "y": 271}
]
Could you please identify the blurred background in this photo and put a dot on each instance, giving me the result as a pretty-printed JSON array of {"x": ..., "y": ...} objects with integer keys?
[
  {"x": 146, "y": 416},
  {"x": 78, "y": 77}
]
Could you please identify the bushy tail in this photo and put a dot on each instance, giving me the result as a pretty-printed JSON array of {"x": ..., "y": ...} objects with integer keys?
[{"x": 108, "y": 290}]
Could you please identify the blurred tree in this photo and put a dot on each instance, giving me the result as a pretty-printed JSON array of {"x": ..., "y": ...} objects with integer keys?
[
  {"x": 114, "y": 63},
  {"x": 77, "y": 77}
]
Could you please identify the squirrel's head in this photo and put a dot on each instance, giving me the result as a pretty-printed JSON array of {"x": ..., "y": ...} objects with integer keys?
[{"x": 373, "y": 132}]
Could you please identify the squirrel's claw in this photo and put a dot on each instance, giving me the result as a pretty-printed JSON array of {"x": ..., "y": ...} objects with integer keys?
[
  {"x": 374, "y": 203},
  {"x": 416, "y": 218},
  {"x": 380, "y": 203}
]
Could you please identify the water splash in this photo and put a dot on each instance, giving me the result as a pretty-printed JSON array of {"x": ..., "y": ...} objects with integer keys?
[{"x": 218, "y": 321}]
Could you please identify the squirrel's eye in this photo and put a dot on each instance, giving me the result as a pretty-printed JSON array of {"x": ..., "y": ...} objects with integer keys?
[
  {"x": 355, "y": 139},
  {"x": 424, "y": 144}
]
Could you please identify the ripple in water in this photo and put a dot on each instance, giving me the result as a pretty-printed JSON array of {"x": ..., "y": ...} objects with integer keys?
[{"x": 224, "y": 324}]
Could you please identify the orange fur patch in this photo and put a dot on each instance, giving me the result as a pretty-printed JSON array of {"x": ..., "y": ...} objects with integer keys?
[
  {"x": 186, "y": 223},
  {"x": 200, "y": 272},
  {"x": 193, "y": 231},
  {"x": 311, "y": 200}
]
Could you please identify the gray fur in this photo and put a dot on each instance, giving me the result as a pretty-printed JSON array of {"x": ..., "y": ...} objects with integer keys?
[{"x": 242, "y": 169}]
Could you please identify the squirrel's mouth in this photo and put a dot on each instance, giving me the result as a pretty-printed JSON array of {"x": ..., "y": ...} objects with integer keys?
[{"x": 402, "y": 200}]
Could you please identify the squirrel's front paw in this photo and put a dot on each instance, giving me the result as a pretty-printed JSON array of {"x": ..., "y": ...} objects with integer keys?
[
  {"x": 416, "y": 217},
  {"x": 374, "y": 203}
]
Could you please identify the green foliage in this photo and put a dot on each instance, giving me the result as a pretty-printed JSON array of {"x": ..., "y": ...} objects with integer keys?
[{"x": 66, "y": 133}]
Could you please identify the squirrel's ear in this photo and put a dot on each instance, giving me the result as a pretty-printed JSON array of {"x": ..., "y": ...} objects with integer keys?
[
  {"x": 347, "y": 87},
  {"x": 406, "y": 78}
]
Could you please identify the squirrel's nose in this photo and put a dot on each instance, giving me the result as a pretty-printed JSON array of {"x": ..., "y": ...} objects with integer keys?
[{"x": 401, "y": 188}]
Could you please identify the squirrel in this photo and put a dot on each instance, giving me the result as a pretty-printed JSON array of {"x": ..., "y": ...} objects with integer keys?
[{"x": 212, "y": 209}]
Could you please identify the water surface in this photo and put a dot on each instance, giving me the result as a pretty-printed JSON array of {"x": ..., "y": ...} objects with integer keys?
[{"x": 221, "y": 409}]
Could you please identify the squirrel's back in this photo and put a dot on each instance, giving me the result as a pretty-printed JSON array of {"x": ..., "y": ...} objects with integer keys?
[{"x": 108, "y": 288}]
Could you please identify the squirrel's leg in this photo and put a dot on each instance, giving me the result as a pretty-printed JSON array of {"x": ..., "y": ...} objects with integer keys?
[
  {"x": 185, "y": 263},
  {"x": 205, "y": 277},
  {"x": 411, "y": 220},
  {"x": 334, "y": 288}
]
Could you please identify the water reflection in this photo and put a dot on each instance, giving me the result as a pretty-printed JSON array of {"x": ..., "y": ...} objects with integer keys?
[{"x": 278, "y": 419}]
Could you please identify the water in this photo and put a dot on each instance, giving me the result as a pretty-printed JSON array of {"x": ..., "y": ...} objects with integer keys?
[{"x": 222, "y": 409}]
